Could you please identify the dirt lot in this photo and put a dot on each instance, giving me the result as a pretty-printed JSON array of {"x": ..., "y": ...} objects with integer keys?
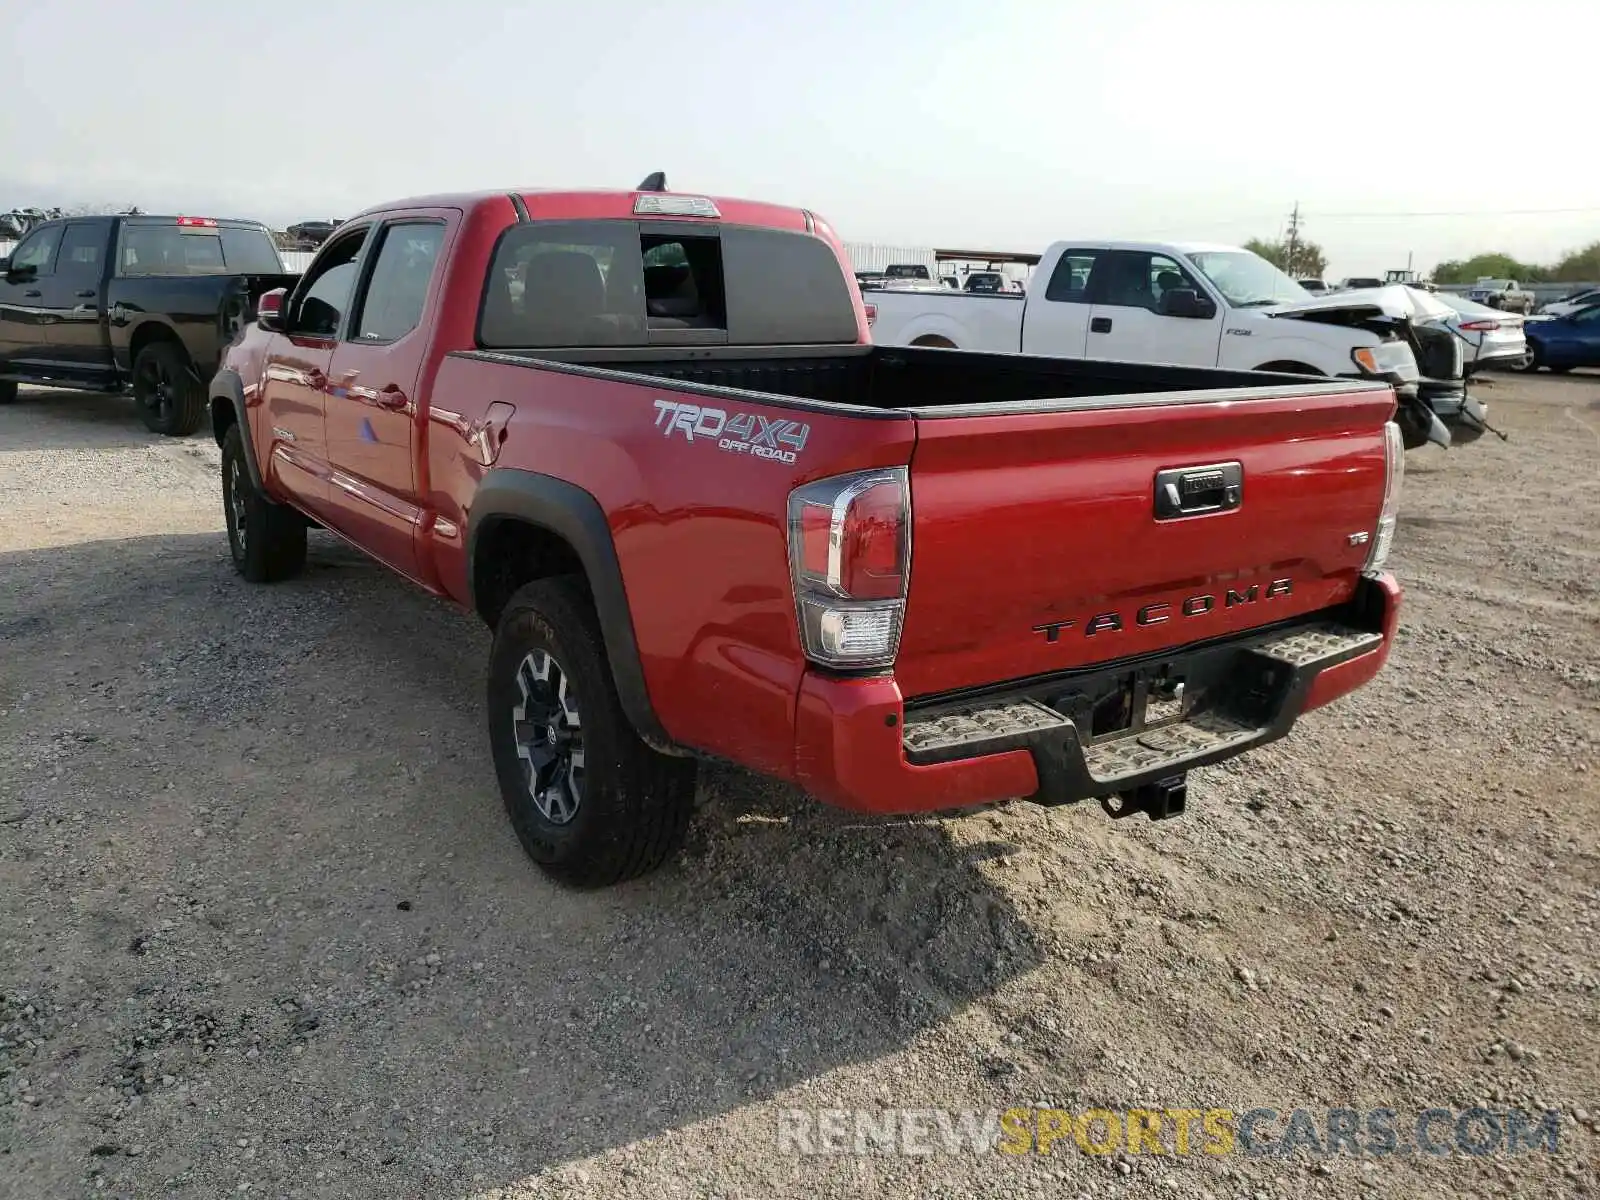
[{"x": 264, "y": 929}]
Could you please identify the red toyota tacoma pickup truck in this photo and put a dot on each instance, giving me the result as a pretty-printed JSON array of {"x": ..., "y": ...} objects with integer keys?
[{"x": 646, "y": 437}]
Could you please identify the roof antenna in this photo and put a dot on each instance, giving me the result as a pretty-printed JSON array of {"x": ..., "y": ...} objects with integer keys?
[{"x": 656, "y": 181}]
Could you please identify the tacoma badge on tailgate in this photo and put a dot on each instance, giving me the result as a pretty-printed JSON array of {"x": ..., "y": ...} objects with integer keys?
[{"x": 1161, "y": 611}]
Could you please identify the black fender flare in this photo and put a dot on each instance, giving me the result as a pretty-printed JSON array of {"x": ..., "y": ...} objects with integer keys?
[
  {"x": 227, "y": 388},
  {"x": 573, "y": 514}
]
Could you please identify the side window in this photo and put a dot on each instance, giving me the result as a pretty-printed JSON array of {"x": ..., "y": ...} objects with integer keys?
[
  {"x": 398, "y": 286},
  {"x": 565, "y": 283},
  {"x": 38, "y": 250},
  {"x": 1587, "y": 316},
  {"x": 321, "y": 306},
  {"x": 1069, "y": 282},
  {"x": 1137, "y": 279},
  {"x": 82, "y": 247},
  {"x": 1166, "y": 275}
]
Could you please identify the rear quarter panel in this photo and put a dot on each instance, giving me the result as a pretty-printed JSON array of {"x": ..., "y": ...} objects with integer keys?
[{"x": 700, "y": 532}]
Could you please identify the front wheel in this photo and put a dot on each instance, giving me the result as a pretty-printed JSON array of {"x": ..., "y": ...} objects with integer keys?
[
  {"x": 8, "y": 391},
  {"x": 169, "y": 395},
  {"x": 1530, "y": 362},
  {"x": 267, "y": 541},
  {"x": 590, "y": 802}
]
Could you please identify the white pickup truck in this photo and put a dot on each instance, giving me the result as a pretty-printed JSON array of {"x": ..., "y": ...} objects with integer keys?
[{"x": 1187, "y": 304}]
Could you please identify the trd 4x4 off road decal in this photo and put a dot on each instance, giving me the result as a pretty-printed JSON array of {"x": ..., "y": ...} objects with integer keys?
[{"x": 737, "y": 433}]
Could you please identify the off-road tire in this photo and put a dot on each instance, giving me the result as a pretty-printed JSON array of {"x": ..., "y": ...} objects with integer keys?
[
  {"x": 633, "y": 803},
  {"x": 267, "y": 541},
  {"x": 8, "y": 391},
  {"x": 170, "y": 397}
]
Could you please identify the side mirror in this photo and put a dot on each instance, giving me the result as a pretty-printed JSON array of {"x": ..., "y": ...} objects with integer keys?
[
  {"x": 1184, "y": 302},
  {"x": 269, "y": 310}
]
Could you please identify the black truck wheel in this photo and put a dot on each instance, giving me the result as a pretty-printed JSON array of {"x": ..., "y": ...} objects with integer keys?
[
  {"x": 8, "y": 391},
  {"x": 591, "y": 803},
  {"x": 267, "y": 540},
  {"x": 170, "y": 396}
]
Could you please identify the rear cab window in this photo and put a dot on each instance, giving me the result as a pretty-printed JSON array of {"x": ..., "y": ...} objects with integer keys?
[
  {"x": 640, "y": 283},
  {"x": 1069, "y": 282},
  {"x": 168, "y": 248}
]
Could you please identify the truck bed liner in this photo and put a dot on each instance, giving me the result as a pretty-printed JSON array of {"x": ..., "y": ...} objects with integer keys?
[{"x": 926, "y": 382}]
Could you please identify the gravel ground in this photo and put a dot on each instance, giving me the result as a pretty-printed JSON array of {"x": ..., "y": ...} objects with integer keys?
[{"x": 264, "y": 928}]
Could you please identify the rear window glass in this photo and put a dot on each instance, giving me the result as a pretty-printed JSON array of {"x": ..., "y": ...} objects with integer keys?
[
  {"x": 174, "y": 250},
  {"x": 785, "y": 289},
  {"x": 565, "y": 283},
  {"x": 624, "y": 283}
]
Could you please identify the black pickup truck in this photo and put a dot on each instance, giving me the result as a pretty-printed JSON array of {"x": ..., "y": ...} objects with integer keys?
[{"x": 111, "y": 303}]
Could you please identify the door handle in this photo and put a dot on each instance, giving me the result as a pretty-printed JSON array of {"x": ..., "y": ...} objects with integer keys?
[
  {"x": 1099, "y": 324},
  {"x": 316, "y": 378},
  {"x": 34, "y": 295},
  {"x": 391, "y": 398},
  {"x": 87, "y": 294}
]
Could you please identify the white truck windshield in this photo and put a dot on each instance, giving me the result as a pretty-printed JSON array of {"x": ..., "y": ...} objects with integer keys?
[{"x": 1247, "y": 280}]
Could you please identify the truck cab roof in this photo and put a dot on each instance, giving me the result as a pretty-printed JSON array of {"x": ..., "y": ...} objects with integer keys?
[{"x": 539, "y": 204}]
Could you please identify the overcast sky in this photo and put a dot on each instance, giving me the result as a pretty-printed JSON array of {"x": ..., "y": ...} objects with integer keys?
[{"x": 935, "y": 121}]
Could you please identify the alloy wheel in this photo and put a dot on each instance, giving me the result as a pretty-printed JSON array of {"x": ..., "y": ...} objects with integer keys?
[
  {"x": 237, "y": 497},
  {"x": 548, "y": 733},
  {"x": 154, "y": 388}
]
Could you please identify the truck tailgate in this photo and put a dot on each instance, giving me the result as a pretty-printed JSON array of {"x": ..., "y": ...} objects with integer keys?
[{"x": 1037, "y": 546}]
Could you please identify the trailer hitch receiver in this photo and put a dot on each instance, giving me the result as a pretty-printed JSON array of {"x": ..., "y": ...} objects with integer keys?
[{"x": 1159, "y": 800}]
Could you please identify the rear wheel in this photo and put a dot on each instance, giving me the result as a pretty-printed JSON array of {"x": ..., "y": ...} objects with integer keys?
[
  {"x": 8, "y": 391},
  {"x": 267, "y": 540},
  {"x": 169, "y": 395},
  {"x": 590, "y": 802}
]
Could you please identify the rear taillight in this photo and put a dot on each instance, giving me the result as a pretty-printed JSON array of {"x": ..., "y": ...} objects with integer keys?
[
  {"x": 872, "y": 312},
  {"x": 850, "y": 555},
  {"x": 1394, "y": 469},
  {"x": 1480, "y": 326}
]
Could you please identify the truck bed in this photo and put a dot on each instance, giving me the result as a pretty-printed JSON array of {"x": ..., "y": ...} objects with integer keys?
[
  {"x": 922, "y": 381},
  {"x": 1040, "y": 544}
]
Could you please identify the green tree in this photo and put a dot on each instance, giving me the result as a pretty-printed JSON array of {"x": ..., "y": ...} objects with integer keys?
[
  {"x": 1488, "y": 266},
  {"x": 1581, "y": 266},
  {"x": 1307, "y": 262}
]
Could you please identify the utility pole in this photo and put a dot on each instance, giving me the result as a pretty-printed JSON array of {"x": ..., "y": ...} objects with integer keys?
[{"x": 1292, "y": 255}]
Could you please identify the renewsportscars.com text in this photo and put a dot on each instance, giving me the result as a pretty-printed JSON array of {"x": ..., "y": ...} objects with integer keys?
[{"x": 1256, "y": 1132}]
